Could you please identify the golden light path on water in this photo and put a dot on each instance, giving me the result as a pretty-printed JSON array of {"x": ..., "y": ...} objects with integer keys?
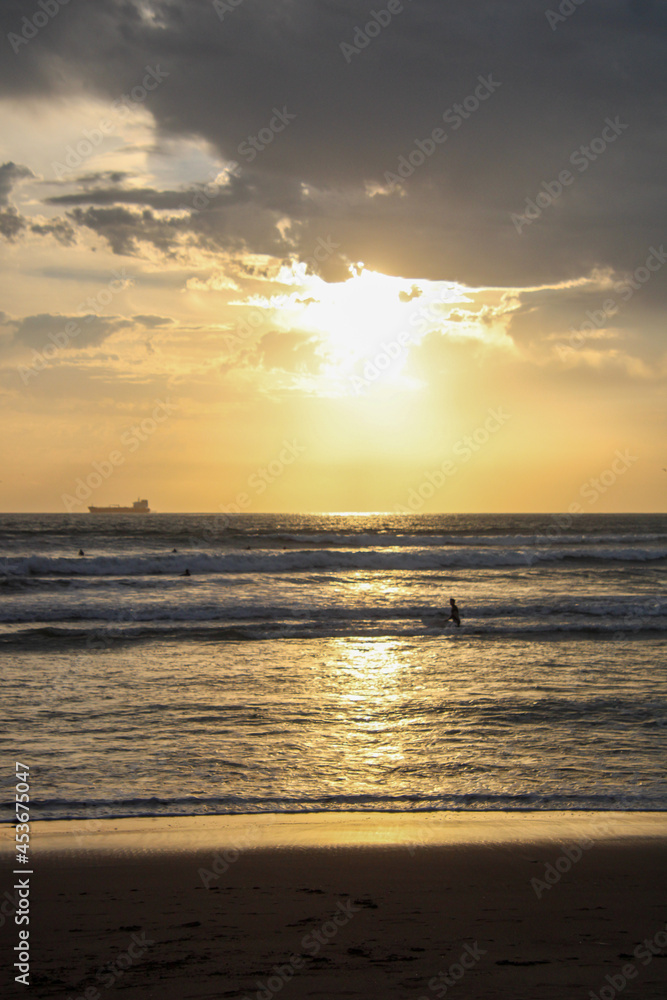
[
  {"x": 344, "y": 723},
  {"x": 379, "y": 695},
  {"x": 376, "y": 677},
  {"x": 308, "y": 666}
]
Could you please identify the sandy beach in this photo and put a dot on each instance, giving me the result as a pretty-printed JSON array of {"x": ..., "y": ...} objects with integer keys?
[{"x": 482, "y": 905}]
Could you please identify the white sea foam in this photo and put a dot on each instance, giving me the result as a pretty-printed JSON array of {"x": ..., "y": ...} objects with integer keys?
[{"x": 300, "y": 560}]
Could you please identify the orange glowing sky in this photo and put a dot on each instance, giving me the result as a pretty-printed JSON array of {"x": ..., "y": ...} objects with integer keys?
[{"x": 295, "y": 331}]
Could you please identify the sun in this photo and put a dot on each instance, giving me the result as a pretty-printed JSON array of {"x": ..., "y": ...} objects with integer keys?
[
  {"x": 366, "y": 314},
  {"x": 365, "y": 327}
]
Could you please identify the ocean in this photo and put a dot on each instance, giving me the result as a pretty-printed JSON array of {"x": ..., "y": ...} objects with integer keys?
[{"x": 306, "y": 663}]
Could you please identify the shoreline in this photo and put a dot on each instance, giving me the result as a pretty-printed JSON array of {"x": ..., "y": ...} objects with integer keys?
[
  {"x": 335, "y": 829},
  {"x": 388, "y": 906}
]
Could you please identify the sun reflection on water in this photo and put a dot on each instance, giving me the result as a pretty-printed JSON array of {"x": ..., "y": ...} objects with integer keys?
[{"x": 367, "y": 732}]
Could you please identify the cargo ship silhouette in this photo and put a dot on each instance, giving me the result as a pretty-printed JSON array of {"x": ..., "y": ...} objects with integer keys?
[{"x": 138, "y": 507}]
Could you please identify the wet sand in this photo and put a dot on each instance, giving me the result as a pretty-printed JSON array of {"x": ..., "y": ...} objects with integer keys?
[{"x": 484, "y": 905}]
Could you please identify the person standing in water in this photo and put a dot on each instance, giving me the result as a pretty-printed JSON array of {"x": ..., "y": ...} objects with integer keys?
[{"x": 454, "y": 616}]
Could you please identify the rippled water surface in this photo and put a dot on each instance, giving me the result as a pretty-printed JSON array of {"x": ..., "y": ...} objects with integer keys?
[{"x": 307, "y": 664}]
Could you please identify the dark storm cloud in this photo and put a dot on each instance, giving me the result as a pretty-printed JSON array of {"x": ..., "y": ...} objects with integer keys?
[
  {"x": 74, "y": 331},
  {"x": 124, "y": 229},
  {"x": 150, "y": 322},
  {"x": 59, "y": 229},
  {"x": 271, "y": 192},
  {"x": 275, "y": 92},
  {"x": 100, "y": 177},
  {"x": 10, "y": 174},
  {"x": 129, "y": 196},
  {"x": 240, "y": 229},
  {"x": 11, "y": 224},
  {"x": 240, "y": 214}
]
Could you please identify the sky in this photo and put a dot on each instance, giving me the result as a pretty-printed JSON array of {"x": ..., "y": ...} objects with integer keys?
[{"x": 313, "y": 255}]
